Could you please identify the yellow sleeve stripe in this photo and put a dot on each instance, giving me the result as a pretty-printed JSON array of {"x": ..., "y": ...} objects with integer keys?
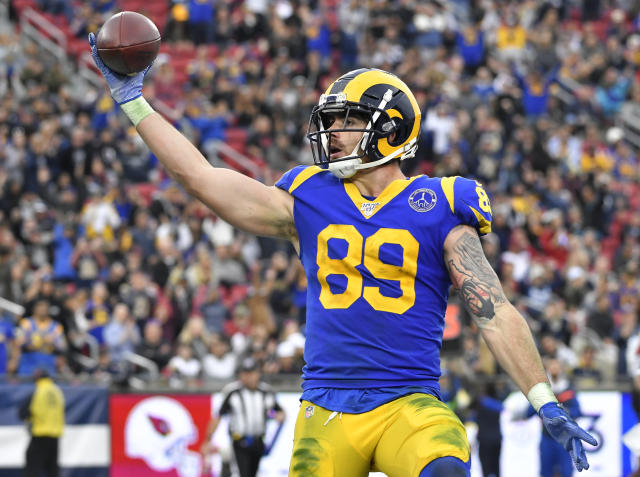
[
  {"x": 483, "y": 224},
  {"x": 447, "y": 188},
  {"x": 303, "y": 176}
]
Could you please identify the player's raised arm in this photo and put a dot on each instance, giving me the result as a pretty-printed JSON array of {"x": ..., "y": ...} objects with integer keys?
[
  {"x": 508, "y": 336},
  {"x": 240, "y": 200}
]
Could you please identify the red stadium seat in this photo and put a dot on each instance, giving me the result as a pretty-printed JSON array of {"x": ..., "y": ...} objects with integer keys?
[
  {"x": 213, "y": 51},
  {"x": 609, "y": 246},
  {"x": 239, "y": 146},
  {"x": 145, "y": 190},
  {"x": 77, "y": 46},
  {"x": 160, "y": 19},
  {"x": 231, "y": 296},
  {"x": 180, "y": 62},
  {"x": 133, "y": 5},
  {"x": 600, "y": 29},
  {"x": 156, "y": 8},
  {"x": 20, "y": 5},
  {"x": 236, "y": 135},
  {"x": 180, "y": 76}
]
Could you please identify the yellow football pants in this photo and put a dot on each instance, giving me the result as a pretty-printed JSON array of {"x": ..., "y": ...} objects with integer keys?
[{"x": 398, "y": 438}]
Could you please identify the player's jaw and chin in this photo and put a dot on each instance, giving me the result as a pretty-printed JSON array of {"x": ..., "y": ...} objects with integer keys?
[
  {"x": 347, "y": 149},
  {"x": 345, "y": 144}
]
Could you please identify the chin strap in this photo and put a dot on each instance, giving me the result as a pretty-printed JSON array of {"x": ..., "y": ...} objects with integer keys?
[
  {"x": 348, "y": 168},
  {"x": 344, "y": 169}
]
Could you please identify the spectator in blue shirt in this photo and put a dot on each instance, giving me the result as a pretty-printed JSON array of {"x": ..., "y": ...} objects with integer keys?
[
  {"x": 40, "y": 339},
  {"x": 201, "y": 25},
  {"x": 535, "y": 91},
  {"x": 612, "y": 92},
  {"x": 121, "y": 335},
  {"x": 483, "y": 85},
  {"x": 63, "y": 234},
  {"x": 211, "y": 123},
  {"x": 470, "y": 43},
  {"x": 6, "y": 339},
  {"x": 319, "y": 37}
]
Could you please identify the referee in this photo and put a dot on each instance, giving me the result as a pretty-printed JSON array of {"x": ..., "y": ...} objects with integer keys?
[{"x": 248, "y": 403}]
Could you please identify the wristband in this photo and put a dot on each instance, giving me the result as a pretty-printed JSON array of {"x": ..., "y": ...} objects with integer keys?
[
  {"x": 137, "y": 109},
  {"x": 541, "y": 394}
]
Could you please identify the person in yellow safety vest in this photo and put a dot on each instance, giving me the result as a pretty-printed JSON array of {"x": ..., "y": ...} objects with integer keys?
[{"x": 44, "y": 412}]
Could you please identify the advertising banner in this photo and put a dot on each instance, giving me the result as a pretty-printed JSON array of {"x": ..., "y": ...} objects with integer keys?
[
  {"x": 158, "y": 435},
  {"x": 151, "y": 435}
]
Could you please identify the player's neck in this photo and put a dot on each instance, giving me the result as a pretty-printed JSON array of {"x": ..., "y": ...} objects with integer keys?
[{"x": 371, "y": 182}]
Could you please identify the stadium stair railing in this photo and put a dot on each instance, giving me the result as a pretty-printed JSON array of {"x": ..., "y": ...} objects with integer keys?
[
  {"x": 220, "y": 151},
  {"x": 150, "y": 368},
  {"x": 40, "y": 30}
]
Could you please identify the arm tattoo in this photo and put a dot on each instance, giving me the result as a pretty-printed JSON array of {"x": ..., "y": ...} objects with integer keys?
[{"x": 474, "y": 278}]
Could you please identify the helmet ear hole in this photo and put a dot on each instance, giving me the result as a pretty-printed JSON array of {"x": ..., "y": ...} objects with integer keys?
[
  {"x": 389, "y": 127},
  {"x": 397, "y": 132}
]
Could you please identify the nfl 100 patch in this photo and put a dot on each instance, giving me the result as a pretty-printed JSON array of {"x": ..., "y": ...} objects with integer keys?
[{"x": 368, "y": 208}]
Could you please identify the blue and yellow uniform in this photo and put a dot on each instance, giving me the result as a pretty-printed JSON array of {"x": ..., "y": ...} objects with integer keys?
[
  {"x": 40, "y": 340},
  {"x": 377, "y": 293}
]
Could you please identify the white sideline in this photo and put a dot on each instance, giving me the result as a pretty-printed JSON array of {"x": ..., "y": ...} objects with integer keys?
[{"x": 80, "y": 446}]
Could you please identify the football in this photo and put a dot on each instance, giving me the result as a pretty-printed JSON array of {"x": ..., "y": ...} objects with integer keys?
[{"x": 128, "y": 42}]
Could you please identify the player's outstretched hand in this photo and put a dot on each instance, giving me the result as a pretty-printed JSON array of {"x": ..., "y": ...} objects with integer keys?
[
  {"x": 124, "y": 88},
  {"x": 567, "y": 432}
]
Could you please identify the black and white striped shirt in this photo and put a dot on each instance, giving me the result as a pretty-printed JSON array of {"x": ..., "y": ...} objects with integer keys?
[{"x": 247, "y": 409}]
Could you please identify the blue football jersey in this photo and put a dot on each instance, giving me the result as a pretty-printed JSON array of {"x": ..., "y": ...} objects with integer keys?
[{"x": 377, "y": 281}]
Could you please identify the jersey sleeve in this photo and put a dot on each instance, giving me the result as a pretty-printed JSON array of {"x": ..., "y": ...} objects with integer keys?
[
  {"x": 293, "y": 178},
  {"x": 469, "y": 203},
  {"x": 225, "y": 407}
]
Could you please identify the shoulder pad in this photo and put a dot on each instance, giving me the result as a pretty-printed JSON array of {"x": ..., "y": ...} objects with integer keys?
[
  {"x": 469, "y": 202},
  {"x": 293, "y": 178}
]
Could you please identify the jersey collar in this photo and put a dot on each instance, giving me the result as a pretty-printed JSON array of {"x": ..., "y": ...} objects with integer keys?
[{"x": 368, "y": 208}]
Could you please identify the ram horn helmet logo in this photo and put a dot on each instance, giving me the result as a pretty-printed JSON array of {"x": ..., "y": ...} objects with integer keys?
[{"x": 159, "y": 430}]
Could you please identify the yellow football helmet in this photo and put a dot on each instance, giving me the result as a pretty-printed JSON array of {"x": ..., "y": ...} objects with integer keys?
[{"x": 383, "y": 100}]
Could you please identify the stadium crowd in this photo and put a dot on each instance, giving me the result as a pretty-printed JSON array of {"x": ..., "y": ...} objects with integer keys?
[{"x": 111, "y": 259}]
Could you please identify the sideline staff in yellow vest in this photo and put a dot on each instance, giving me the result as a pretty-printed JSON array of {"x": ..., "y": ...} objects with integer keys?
[{"x": 44, "y": 411}]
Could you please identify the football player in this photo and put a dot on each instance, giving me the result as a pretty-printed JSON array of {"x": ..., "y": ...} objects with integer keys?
[{"x": 380, "y": 252}]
